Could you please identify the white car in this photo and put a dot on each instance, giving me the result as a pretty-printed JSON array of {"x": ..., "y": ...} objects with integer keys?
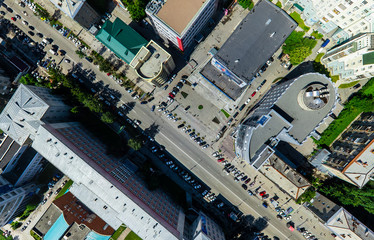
[
  {"x": 248, "y": 100},
  {"x": 24, "y": 22}
]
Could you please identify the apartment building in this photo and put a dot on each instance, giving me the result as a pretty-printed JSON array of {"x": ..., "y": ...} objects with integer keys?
[
  {"x": 352, "y": 60},
  {"x": 106, "y": 185},
  {"x": 179, "y": 21},
  {"x": 351, "y": 156},
  {"x": 342, "y": 18}
]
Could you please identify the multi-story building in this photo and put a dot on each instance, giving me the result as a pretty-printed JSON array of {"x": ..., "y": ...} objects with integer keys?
[
  {"x": 153, "y": 64},
  {"x": 107, "y": 186},
  {"x": 352, "y": 60},
  {"x": 254, "y": 41},
  {"x": 343, "y": 18},
  {"x": 346, "y": 226},
  {"x": 68, "y": 218},
  {"x": 289, "y": 112},
  {"x": 12, "y": 200},
  {"x": 121, "y": 39},
  {"x": 350, "y": 157},
  {"x": 79, "y": 10},
  {"x": 204, "y": 228},
  {"x": 179, "y": 21}
]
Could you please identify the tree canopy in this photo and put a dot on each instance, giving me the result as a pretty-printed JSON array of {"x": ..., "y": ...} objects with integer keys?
[
  {"x": 246, "y": 4},
  {"x": 136, "y": 8},
  {"x": 135, "y": 144},
  {"x": 298, "y": 47}
]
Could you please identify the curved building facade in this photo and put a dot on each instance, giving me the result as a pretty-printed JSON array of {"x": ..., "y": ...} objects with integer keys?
[{"x": 289, "y": 112}]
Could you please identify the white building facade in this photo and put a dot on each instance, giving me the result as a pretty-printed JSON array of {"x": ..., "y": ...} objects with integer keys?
[
  {"x": 353, "y": 60},
  {"x": 343, "y": 18},
  {"x": 168, "y": 23}
]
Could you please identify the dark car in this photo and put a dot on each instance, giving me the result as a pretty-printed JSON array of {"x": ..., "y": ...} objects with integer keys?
[
  {"x": 235, "y": 115},
  {"x": 31, "y": 27},
  {"x": 143, "y": 102},
  {"x": 2, "y": 12},
  {"x": 180, "y": 126},
  {"x": 31, "y": 33},
  {"x": 153, "y": 108},
  {"x": 356, "y": 86},
  {"x": 188, "y": 107},
  {"x": 9, "y": 10},
  {"x": 244, "y": 186},
  {"x": 242, "y": 107}
]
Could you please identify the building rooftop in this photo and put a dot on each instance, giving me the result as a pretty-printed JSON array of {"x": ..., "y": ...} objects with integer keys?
[
  {"x": 156, "y": 203},
  {"x": 293, "y": 115},
  {"x": 361, "y": 168},
  {"x": 178, "y": 14},
  {"x": 345, "y": 226},
  {"x": 76, "y": 212},
  {"x": 149, "y": 60},
  {"x": 305, "y": 119},
  {"x": 255, "y": 40},
  {"x": 285, "y": 176},
  {"x": 222, "y": 82},
  {"x": 121, "y": 39},
  {"x": 69, "y": 7},
  {"x": 323, "y": 207}
]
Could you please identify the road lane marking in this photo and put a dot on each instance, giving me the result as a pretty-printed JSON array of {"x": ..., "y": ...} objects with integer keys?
[{"x": 242, "y": 202}]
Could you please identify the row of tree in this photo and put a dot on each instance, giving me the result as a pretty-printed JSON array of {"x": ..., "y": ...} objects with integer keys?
[
  {"x": 136, "y": 8},
  {"x": 59, "y": 80}
]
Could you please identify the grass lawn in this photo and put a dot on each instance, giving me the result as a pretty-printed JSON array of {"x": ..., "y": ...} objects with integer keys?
[
  {"x": 348, "y": 85},
  {"x": 118, "y": 232},
  {"x": 299, "y": 21},
  {"x": 317, "y": 35},
  {"x": 226, "y": 113},
  {"x": 4, "y": 238},
  {"x": 132, "y": 236},
  {"x": 319, "y": 56},
  {"x": 66, "y": 187}
]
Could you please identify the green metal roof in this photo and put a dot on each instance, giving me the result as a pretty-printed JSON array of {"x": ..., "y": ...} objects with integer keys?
[
  {"x": 121, "y": 39},
  {"x": 368, "y": 58},
  {"x": 299, "y": 7}
]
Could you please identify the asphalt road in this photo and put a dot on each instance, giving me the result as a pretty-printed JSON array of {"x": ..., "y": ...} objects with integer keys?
[{"x": 176, "y": 142}]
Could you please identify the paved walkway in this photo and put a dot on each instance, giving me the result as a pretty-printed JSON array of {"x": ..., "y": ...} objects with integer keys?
[{"x": 124, "y": 234}]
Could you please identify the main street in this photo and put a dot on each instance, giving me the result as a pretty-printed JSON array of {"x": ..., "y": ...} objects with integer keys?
[{"x": 176, "y": 142}]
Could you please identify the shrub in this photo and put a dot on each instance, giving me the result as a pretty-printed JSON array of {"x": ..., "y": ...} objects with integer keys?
[
  {"x": 246, "y": 4},
  {"x": 200, "y": 107}
]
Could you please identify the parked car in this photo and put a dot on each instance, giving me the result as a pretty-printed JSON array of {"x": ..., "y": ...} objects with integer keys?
[
  {"x": 57, "y": 191},
  {"x": 254, "y": 93}
]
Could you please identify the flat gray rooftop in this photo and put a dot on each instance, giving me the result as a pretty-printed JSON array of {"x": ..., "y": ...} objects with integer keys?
[
  {"x": 305, "y": 121},
  {"x": 256, "y": 39},
  {"x": 47, "y": 220},
  {"x": 222, "y": 82},
  {"x": 323, "y": 207}
]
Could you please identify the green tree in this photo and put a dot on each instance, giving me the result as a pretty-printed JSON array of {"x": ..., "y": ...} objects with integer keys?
[
  {"x": 136, "y": 8},
  {"x": 307, "y": 196},
  {"x": 298, "y": 47},
  {"x": 28, "y": 79},
  {"x": 15, "y": 225},
  {"x": 107, "y": 117},
  {"x": 80, "y": 54},
  {"x": 134, "y": 143},
  {"x": 75, "y": 109},
  {"x": 246, "y": 4}
]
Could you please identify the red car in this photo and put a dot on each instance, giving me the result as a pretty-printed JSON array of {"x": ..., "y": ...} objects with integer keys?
[
  {"x": 171, "y": 95},
  {"x": 254, "y": 93},
  {"x": 220, "y": 160},
  {"x": 262, "y": 193},
  {"x": 13, "y": 18},
  {"x": 108, "y": 74}
]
